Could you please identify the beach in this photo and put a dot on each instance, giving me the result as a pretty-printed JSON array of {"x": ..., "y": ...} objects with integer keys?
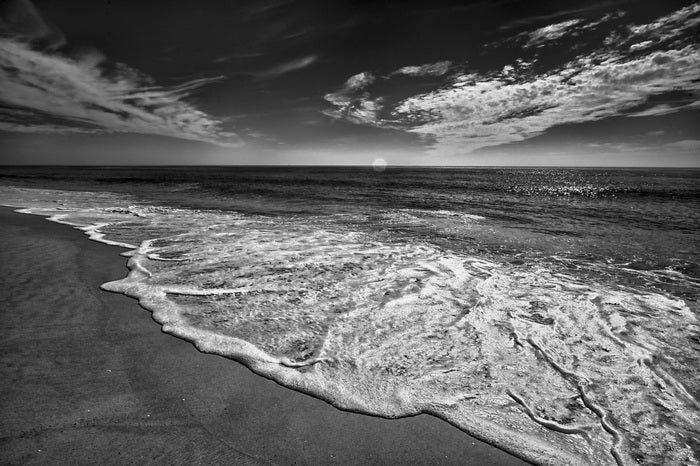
[{"x": 87, "y": 376}]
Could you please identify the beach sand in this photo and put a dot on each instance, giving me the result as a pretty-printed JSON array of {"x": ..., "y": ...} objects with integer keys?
[{"x": 87, "y": 377}]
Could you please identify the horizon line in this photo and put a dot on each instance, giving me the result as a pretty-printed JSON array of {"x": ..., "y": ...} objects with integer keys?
[{"x": 370, "y": 166}]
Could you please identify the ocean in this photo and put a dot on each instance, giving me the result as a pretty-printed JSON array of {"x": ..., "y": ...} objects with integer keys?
[{"x": 551, "y": 312}]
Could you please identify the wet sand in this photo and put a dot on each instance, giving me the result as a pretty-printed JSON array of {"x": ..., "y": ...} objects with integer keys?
[{"x": 86, "y": 376}]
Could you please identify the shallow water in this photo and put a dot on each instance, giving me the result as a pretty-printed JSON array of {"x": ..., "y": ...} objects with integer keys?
[{"x": 550, "y": 312}]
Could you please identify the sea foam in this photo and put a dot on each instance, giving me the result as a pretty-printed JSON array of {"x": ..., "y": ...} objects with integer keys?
[{"x": 541, "y": 364}]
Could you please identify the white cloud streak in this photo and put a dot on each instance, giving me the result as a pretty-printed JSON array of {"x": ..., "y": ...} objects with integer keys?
[
  {"x": 551, "y": 32},
  {"x": 82, "y": 98},
  {"x": 665, "y": 109},
  {"x": 288, "y": 67},
  {"x": 429, "y": 69}
]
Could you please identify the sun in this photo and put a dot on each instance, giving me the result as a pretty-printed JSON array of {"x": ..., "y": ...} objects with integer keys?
[{"x": 379, "y": 165}]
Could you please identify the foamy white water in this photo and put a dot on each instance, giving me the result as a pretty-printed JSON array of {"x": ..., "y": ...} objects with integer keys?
[{"x": 542, "y": 364}]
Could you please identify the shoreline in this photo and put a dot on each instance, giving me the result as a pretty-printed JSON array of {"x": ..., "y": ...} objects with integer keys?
[{"x": 88, "y": 377}]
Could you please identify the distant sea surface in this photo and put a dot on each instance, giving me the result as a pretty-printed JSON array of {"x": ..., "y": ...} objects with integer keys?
[{"x": 551, "y": 312}]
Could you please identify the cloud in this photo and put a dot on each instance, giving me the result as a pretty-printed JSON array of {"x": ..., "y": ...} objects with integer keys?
[
  {"x": 641, "y": 45},
  {"x": 547, "y": 36},
  {"x": 358, "y": 82},
  {"x": 80, "y": 96},
  {"x": 429, "y": 69},
  {"x": 476, "y": 114},
  {"x": 549, "y": 33},
  {"x": 669, "y": 26},
  {"x": 666, "y": 31},
  {"x": 477, "y": 110},
  {"x": 42, "y": 128},
  {"x": 353, "y": 102},
  {"x": 287, "y": 67},
  {"x": 691, "y": 145},
  {"x": 558, "y": 14},
  {"x": 664, "y": 109},
  {"x": 21, "y": 18}
]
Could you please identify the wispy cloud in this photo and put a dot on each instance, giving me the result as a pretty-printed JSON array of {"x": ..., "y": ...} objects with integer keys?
[
  {"x": 665, "y": 109},
  {"x": 81, "y": 95},
  {"x": 429, "y": 69},
  {"x": 549, "y": 35},
  {"x": 288, "y": 67},
  {"x": 21, "y": 18},
  {"x": 691, "y": 145},
  {"x": 667, "y": 27},
  {"x": 477, "y": 110},
  {"x": 43, "y": 128},
  {"x": 46, "y": 91},
  {"x": 551, "y": 32},
  {"x": 559, "y": 14}
]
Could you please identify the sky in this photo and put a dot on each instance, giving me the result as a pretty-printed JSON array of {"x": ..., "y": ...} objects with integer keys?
[{"x": 470, "y": 83}]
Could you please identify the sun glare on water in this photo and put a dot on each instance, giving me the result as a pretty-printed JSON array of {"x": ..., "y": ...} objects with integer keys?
[{"x": 379, "y": 165}]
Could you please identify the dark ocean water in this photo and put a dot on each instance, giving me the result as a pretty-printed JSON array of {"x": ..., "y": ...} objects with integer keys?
[{"x": 553, "y": 312}]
